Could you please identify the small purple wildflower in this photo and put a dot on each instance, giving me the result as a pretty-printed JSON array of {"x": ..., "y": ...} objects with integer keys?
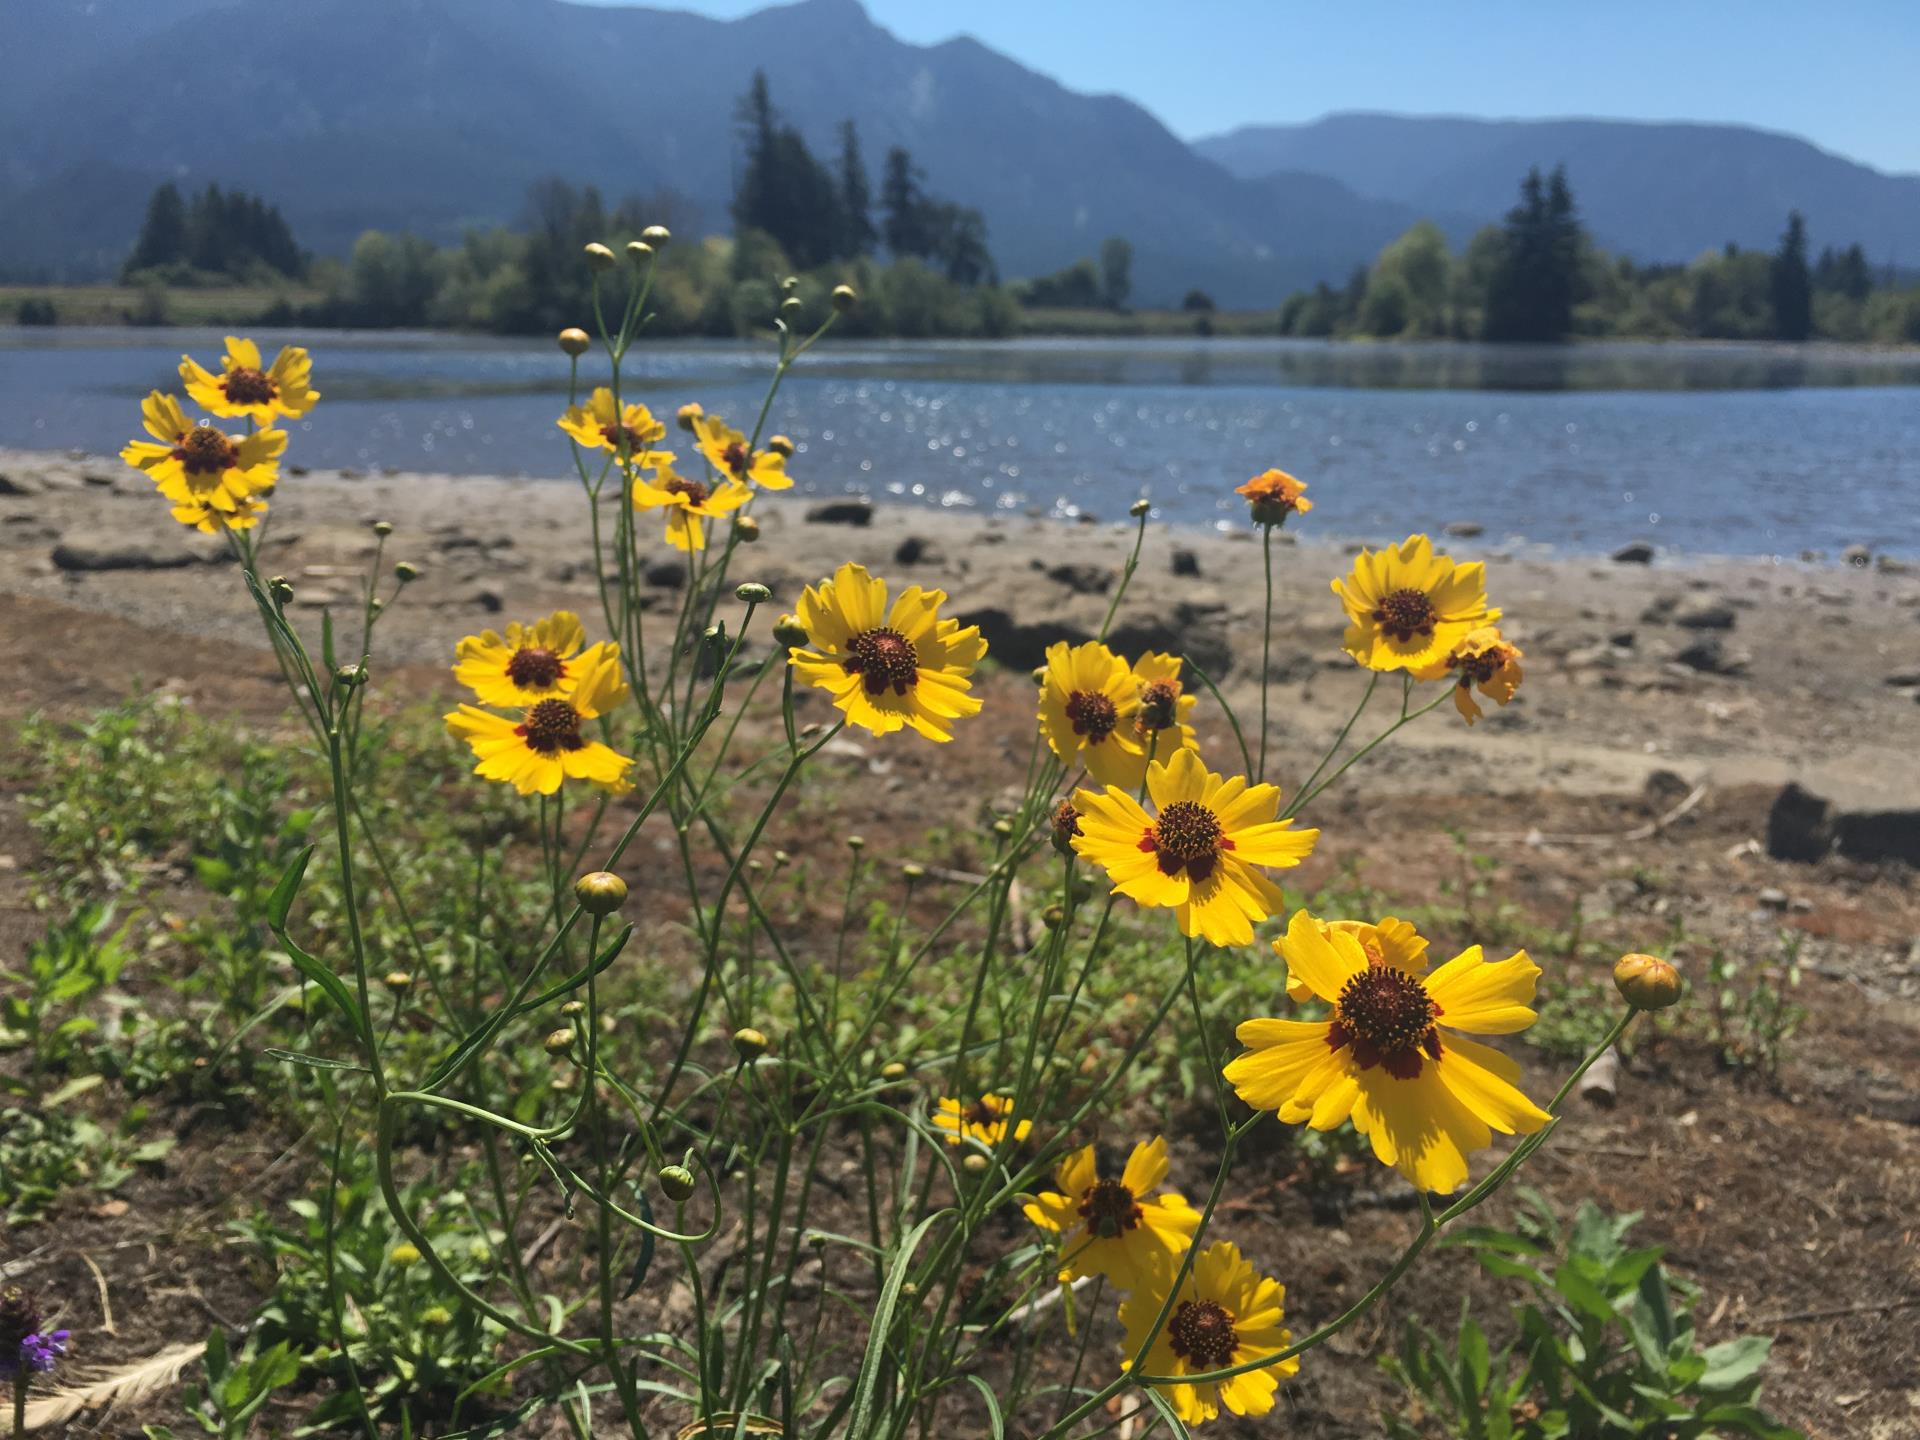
[
  {"x": 24, "y": 1347},
  {"x": 38, "y": 1352}
]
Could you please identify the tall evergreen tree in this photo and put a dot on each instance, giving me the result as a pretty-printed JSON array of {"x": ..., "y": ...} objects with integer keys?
[
  {"x": 906, "y": 229},
  {"x": 856, "y": 198},
  {"x": 1535, "y": 279},
  {"x": 163, "y": 234},
  {"x": 782, "y": 189},
  {"x": 1792, "y": 284},
  {"x": 1116, "y": 272}
]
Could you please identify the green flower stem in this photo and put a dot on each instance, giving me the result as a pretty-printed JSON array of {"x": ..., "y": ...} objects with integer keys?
[
  {"x": 1266, "y": 646},
  {"x": 1126, "y": 574},
  {"x": 1307, "y": 795}
]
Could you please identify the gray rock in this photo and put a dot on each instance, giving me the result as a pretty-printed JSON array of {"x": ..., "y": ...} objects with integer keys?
[
  {"x": 1705, "y": 615},
  {"x": 1635, "y": 552},
  {"x": 1023, "y": 646},
  {"x": 483, "y": 597},
  {"x": 1464, "y": 529},
  {"x": 667, "y": 574},
  {"x": 1858, "y": 556},
  {"x": 1659, "y": 610},
  {"x": 1903, "y": 678},
  {"x": 1806, "y": 827},
  {"x": 1879, "y": 835},
  {"x": 106, "y": 551},
  {"x": 1186, "y": 562},
  {"x": 1771, "y": 899},
  {"x": 15, "y": 482},
  {"x": 1887, "y": 565},
  {"x": 842, "y": 512},
  {"x": 1082, "y": 579},
  {"x": 1621, "y": 639}
]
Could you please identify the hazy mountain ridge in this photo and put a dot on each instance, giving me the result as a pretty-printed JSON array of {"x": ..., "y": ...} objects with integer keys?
[
  {"x": 1656, "y": 190},
  {"x": 435, "y": 115}
]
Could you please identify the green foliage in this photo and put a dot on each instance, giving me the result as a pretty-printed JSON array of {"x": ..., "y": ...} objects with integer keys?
[
  {"x": 73, "y": 960},
  {"x": 1077, "y": 287},
  {"x": 1792, "y": 283},
  {"x": 46, "y": 1152},
  {"x": 237, "y": 1387},
  {"x": 228, "y": 234},
  {"x": 36, "y": 310},
  {"x": 1116, "y": 272},
  {"x": 1748, "y": 1015},
  {"x": 1604, "y": 1348}
]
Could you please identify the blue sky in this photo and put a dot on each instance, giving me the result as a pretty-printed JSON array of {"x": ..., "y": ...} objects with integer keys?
[{"x": 1840, "y": 74}]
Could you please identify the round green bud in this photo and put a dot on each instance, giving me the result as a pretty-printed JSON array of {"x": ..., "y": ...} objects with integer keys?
[
  {"x": 397, "y": 980},
  {"x": 350, "y": 677},
  {"x": 639, "y": 251},
  {"x": 844, "y": 298},
  {"x": 599, "y": 257},
  {"x": 404, "y": 1255},
  {"x": 436, "y": 1317},
  {"x": 791, "y": 305},
  {"x": 688, "y": 414},
  {"x": 558, "y": 1042},
  {"x": 1054, "y": 916},
  {"x": 790, "y": 284},
  {"x": 406, "y": 572},
  {"x": 856, "y": 842},
  {"x": 574, "y": 340},
  {"x": 913, "y": 871},
  {"x": 749, "y": 1043},
  {"x": 600, "y": 893},
  {"x": 790, "y": 632},
  {"x": 747, "y": 528},
  {"x": 893, "y": 1070},
  {"x": 573, "y": 1008},
  {"x": 781, "y": 446},
  {"x": 752, "y": 593},
  {"x": 281, "y": 589},
  {"x": 1140, "y": 507},
  {"x": 656, "y": 235},
  {"x": 383, "y": 528},
  {"x": 678, "y": 1182},
  {"x": 975, "y": 1164},
  {"x": 1003, "y": 828}
]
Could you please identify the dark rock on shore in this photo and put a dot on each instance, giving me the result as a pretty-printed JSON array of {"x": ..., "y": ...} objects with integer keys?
[
  {"x": 1635, "y": 552},
  {"x": 108, "y": 551},
  {"x": 842, "y": 512}
]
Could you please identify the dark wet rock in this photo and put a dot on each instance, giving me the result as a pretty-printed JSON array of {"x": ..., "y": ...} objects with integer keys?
[
  {"x": 1800, "y": 825},
  {"x": 1660, "y": 610},
  {"x": 483, "y": 597},
  {"x": 917, "y": 551},
  {"x": 1082, "y": 579},
  {"x": 1186, "y": 562},
  {"x": 1191, "y": 629},
  {"x": 18, "y": 482},
  {"x": 1705, "y": 615},
  {"x": 1858, "y": 556},
  {"x": 1710, "y": 655},
  {"x": 667, "y": 574},
  {"x": 1464, "y": 529},
  {"x": 1635, "y": 552},
  {"x": 1023, "y": 646},
  {"x": 1878, "y": 835},
  {"x": 842, "y": 512}
]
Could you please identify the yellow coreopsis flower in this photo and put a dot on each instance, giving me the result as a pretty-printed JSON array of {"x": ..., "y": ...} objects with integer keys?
[
  {"x": 203, "y": 516},
  {"x": 1407, "y": 607},
  {"x": 985, "y": 1120},
  {"x": 199, "y": 465},
  {"x": 1088, "y": 701},
  {"x": 1198, "y": 854},
  {"x": 530, "y": 663},
  {"x": 545, "y": 746},
  {"x": 1225, "y": 1313},
  {"x": 1483, "y": 659},
  {"x": 727, "y": 451},
  {"x": 1273, "y": 495},
  {"x": 1115, "y": 1228},
  {"x": 601, "y": 424},
  {"x": 1386, "y": 942},
  {"x": 243, "y": 388},
  {"x": 1424, "y": 1096},
  {"x": 887, "y": 667},
  {"x": 688, "y": 503},
  {"x": 1160, "y": 722}
]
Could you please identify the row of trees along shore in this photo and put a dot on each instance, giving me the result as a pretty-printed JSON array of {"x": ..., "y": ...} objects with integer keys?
[
  {"x": 1536, "y": 277},
  {"x": 1540, "y": 277}
]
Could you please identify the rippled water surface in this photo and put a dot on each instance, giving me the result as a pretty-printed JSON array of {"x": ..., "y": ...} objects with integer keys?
[{"x": 1724, "y": 449}]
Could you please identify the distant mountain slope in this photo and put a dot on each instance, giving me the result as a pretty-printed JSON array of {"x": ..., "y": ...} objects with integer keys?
[
  {"x": 1658, "y": 191},
  {"x": 436, "y": 114}
]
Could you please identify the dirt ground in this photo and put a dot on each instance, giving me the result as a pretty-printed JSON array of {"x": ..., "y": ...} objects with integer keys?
[{"x": 1790, "y": 1202}]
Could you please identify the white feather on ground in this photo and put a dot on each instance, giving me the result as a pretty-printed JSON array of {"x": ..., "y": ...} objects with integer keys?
[{"x": 125, "y": 1386}]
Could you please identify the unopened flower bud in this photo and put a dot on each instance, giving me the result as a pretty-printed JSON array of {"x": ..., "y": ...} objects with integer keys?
[
  {"x": 843, "y": 298},
  {"x": 599, "y": 257},
  {"x": 397, "y": 980},
  {"x": 1066, "y": 825},
  {"x": 781, "y": 446},
  {"x": 747, "y": 528},
  {"x": 1159, "y": 704},
  {"x": 791, "y": 306},
  {"x": 436, "y": 1317},
  {"x": 1647, "y": 982},
  {"x": 789, "y": 631},
  {"x": 749, "y": 1043},
  {"x": 574, "y": 340},
  {"x": 975, "y": 1164},
  {"x": 383, "y": 528},
  {"x": 790, "y": 284},
  {"x": 913, "y": 871},
  {"x": 1003, "y": 828},
  {"x": 1039, "y": 675},
  {"x": 656, "y": 235},
  {"x": 558, "y": 1042},
  {"x": 350, "y": 677},
  {"x": 893, "y": 1070},
  {"x": 406, "y": 572},
  {"x": 856, "y": 842},
  {"x": 781, "y": 857},
  {"x": 1054, "y": 916},
  {"x": 281, "y": 589},
  {"x": 376, "y": 605},
  {"x": 687, "y": 414},
  {"x": 1140, "y": 507},
  {"x": 573, "y": 1008},
  {"x": 639, "y": 251},
  {"x": 404, "y": 1255},
  {"x": 677, "y": 1181},
  {"x": 752, "y": 593},
  {"x": 600, "y": 893}
]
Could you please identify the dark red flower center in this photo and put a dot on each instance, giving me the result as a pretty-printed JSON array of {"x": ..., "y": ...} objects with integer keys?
[
  {"x": 1110, "y": 1209},
  {"x": 1201, "y": 1333},
  {"x": 984, "y": 1112},
  {"x": 735, "y": 458},
  {"x": 1387, "y": 1017},
  {"x": 1093, "y": 715},
  {"x": 884, "y": 660},
  {"x": 203, "y": 450},
  {"x": 1479, "y": 669},
  {"x": 1187, "y": 836},
  {"x": 636, "y": 442},
  {"x": 1159, "y": 705},
  {"x": 245, "y": 385},
  {"x": 1066, "y": 822},
  {"x": 695, "y": 492},
  {"x": 550, "y": 727},
  {"x": 1405, "y": 614},
  {"x": 535, "y": 667}
]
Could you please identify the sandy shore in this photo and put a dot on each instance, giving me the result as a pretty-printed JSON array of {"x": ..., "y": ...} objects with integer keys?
[{"x": 1725, "y": 671}]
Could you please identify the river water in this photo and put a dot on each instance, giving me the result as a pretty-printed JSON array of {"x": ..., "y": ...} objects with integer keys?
[{"x": 1721, "y": 449}]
